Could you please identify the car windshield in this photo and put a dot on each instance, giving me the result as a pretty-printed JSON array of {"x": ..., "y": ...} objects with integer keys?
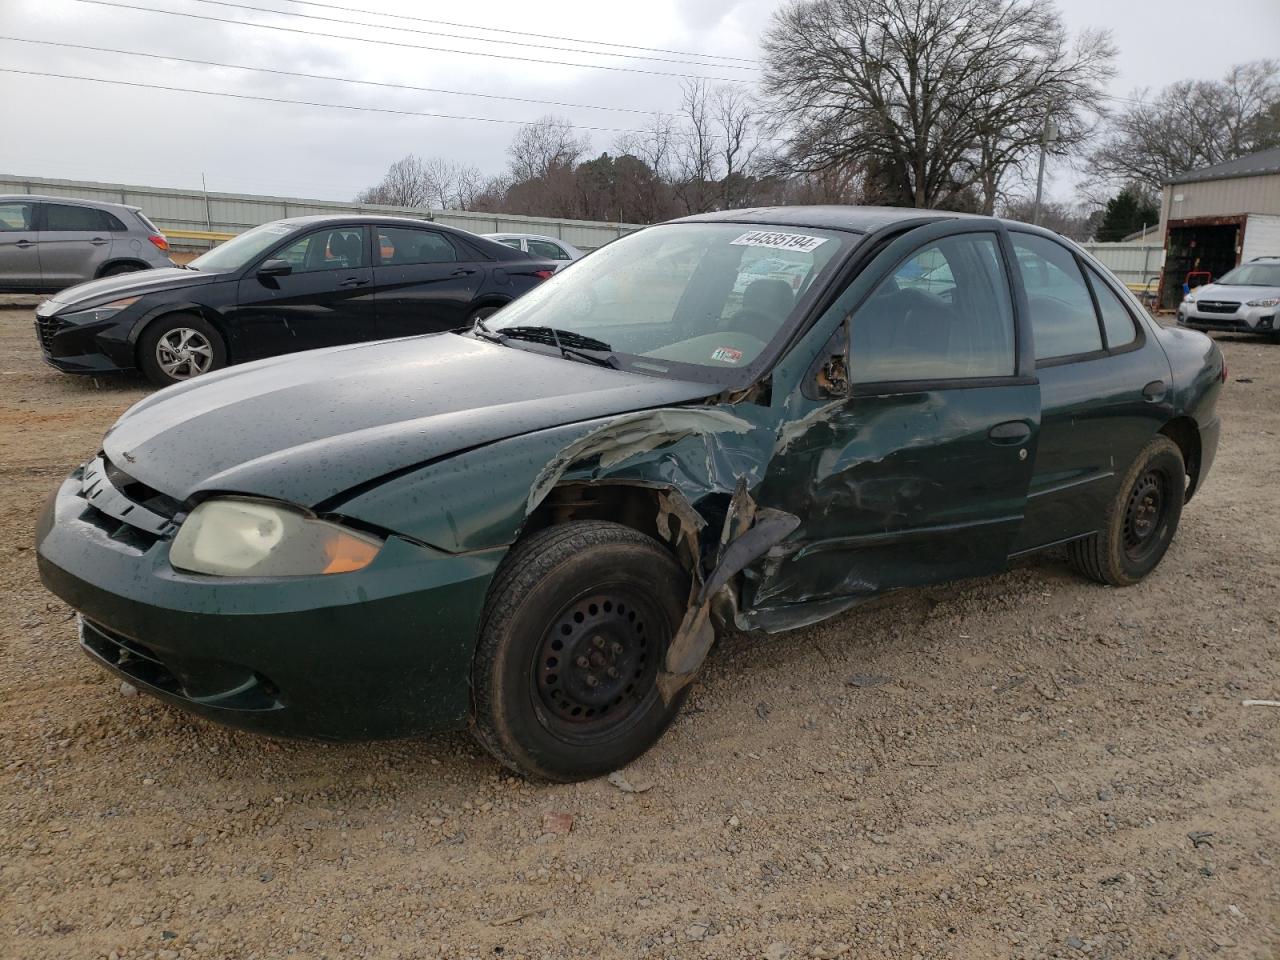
[
  {"x": 1253, "y": 275},
  {"x": 240, "y": 251},
  {"x": 712, "y": 295}
]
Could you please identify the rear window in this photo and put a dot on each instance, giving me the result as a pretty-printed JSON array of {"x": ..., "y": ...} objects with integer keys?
[
  {"x": 146, "y": 221},
  {"x": 59, "y": 217}
]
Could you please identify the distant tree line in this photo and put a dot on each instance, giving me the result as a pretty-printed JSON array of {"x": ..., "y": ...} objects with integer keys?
[{"x": 921, "y": 103}]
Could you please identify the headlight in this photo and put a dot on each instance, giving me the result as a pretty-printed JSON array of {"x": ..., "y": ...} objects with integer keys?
[
  {"x": 104, "y": 312},
  {"x": 1189, "y": 298},
  {"x": 1271, "y": 302},
  {"x": 234, "y": 537}
]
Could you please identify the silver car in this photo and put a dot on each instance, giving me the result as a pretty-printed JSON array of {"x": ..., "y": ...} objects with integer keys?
[
  {"x": 536, "y": 245},
  {"x": 47, "y": 243},
  {"x": 1243, "y": 300}
]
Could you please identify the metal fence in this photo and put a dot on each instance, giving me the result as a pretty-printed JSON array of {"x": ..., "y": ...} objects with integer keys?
[
  {"x": 1133, "y": 263},
  {"x": 194, "y": 211}
]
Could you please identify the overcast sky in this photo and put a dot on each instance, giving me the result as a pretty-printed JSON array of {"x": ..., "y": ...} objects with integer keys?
[{"x": 94, "y": 131}]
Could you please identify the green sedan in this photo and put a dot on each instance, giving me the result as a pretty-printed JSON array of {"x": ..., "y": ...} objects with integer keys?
[{"x": 535, "y": 527}]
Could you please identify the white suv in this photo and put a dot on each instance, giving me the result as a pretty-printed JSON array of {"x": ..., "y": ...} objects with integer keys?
[{"x": 1243, "y": 300}]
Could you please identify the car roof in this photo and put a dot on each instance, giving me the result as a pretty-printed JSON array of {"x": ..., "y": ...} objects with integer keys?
[
  {"x": 70, "y": 201},
  {"x": 850, "y": 218}
]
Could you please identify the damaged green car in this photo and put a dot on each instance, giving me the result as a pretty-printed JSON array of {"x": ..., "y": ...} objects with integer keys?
[{"x": 534, "y": 526}]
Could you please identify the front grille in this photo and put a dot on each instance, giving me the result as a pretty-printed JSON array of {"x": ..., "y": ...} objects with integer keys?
[
  {"x": 44, "y": 332},
  {"x": 1218, "y": 306},
  {"x": 126, "y": 509}
]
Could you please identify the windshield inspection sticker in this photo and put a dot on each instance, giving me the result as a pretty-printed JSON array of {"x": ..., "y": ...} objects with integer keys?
[
  {"x": 779, "y": 241},
  {"x": 726, "y": 354}
]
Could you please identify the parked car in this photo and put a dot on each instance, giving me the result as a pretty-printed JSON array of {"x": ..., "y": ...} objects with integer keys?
[
  {"x": 1243, "y": 300},
  {"x": 551, "y": 248},
  {"x": 534, "y": 527},
  {"x": 47, "y": 243},
  {"x": 289, "y": 285}
]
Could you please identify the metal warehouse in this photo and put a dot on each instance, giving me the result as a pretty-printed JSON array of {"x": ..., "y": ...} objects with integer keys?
[{"x": 1217, "y": 217}]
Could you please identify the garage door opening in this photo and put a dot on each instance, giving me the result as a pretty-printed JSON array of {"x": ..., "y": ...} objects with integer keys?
[{"x": 1194, "y": 248}]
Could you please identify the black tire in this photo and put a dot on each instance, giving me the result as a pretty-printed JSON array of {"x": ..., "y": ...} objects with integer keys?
[
  {"x": 1141, "y": 521},
  {"x": 163, "y": 329},
  {"x": 116, "y": 269},
  {"x": 484, "y": 313},
  {"x": 588, "y": 589}
]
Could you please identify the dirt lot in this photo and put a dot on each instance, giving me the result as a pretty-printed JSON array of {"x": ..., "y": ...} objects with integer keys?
[{"x": 1027, "y": 766}]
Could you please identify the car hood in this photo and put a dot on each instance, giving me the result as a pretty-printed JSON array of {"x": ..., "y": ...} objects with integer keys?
[
  {"x": 1222, "y": 291},
  {"x": 136, "y": 284},
  {"x": 309, "y": 427}
]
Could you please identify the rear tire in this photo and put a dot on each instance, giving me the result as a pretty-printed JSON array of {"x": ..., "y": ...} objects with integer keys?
[
  {"x": 572, "y": 637},
  {"x": 1141, "y": 520},
  {"x": 484, "y": 313},
  {"x": 116, "y": 269},
  {"x": 178, "y": 347}
]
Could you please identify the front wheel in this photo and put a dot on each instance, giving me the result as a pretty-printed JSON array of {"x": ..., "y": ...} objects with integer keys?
[
  {"x": 179, "y": 347},
  {"x": 572, "y": 638},
  {"x": 1141, "y": 520}
]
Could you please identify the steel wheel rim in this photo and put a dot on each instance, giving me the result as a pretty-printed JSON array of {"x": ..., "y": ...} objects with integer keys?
[
  {"x": 1144, "y": 514},
  {"x": 183, "y": 353},
  {"x": 613, "y": 636}
]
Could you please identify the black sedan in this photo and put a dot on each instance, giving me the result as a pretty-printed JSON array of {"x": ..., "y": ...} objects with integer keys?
[{"x": 288, "y": 285}]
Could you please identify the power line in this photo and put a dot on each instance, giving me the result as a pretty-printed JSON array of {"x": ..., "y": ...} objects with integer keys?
[
  {"x": 524, "y": 33},
  {"x": 320, "y": 76},
  {"x": 410, "y": 46},
  {"x": 459, "y": 36},
  {"x": 299, "y": 103}
]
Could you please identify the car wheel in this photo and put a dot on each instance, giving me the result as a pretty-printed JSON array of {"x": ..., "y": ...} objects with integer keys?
[
  {"x": 178, "y": 347},
  {"x": 572, "y": 637},
  {"x": 484, "y": 313},
  {"x": 1141, "y": 520},
  {"x": 116, "y": 269}
]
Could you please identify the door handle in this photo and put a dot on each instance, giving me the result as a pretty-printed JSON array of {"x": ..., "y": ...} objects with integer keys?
[
  {"x": 352, "y": 282},
  {"x": 1154, "y": 391},
  {"x": 23, "y": 244},
  {"x": 462, "y": 272},
  {"x": 98, "y": 241},
  {"x": 1010, "y": 432}
]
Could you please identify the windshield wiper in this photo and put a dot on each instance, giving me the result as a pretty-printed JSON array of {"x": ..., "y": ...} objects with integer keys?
[
  {"x": 481, "y": 329},
  {"x": 570, "y": 344}
]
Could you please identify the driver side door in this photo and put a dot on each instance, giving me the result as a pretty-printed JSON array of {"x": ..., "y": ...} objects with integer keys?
[{"x": 912, "y": 464}]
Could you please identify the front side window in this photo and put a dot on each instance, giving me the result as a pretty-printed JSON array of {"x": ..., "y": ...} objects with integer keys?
[
  {"x": 401, "y": 247},
  {"x": 944, "y": 313},
  {"x": 547, "y": 249},
  {"x": 15, "y": 217},
  {"x": 1116, "y": 320},
  {"x": 1062, "y": 317},
  {"x": 512, "y": 242},
  {"x": 694, "y": 294},
  {"x": 59, "y": 217},
  {"x": 333, "y": 249}
]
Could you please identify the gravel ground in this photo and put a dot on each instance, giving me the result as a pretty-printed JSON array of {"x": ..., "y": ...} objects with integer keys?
[{"x": 1024, "y": 766}]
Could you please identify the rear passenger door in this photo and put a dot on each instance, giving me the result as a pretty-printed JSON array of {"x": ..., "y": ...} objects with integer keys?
[
  {"x": 425, "y": 281},
  {"x": 1104, "y": 389},
  {"x": 920, "y": 473},
  {"x": 74, "y": 242},
  {"x": 19, "y": 249}
]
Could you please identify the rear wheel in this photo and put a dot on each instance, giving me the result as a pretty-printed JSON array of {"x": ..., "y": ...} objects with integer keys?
[
  {"x": 1141, "y": 520},
  {"x": 178, "y": 347},
  {"x": 116, "y": 269},
  {"x": 484, "y": 313},
  {"x": 573, "y": 636}
]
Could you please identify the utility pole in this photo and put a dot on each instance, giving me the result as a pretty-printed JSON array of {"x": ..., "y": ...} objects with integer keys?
[
  {"x": 208, "y": 213},
  {"x": 1049, "y": 135}
]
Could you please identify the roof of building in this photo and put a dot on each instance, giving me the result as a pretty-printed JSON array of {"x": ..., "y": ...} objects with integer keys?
[{"x": 1254, "y": 165}]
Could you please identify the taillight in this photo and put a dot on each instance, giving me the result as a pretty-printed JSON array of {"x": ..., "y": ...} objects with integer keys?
[
  {"x": 544, "y": 274},
  {"x": 159, "y": 242}
]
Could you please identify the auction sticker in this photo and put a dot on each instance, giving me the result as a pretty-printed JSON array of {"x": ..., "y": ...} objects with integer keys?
[
  {"x": 779, "y": 241},
  {"x": 726, "y": 354}
]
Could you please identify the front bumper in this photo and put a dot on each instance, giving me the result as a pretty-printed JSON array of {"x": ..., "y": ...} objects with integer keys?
[
  {"x": 1260, "y": 320},
  {"x": 101, "y": 347},
  {"x": 382, "y": 652}
]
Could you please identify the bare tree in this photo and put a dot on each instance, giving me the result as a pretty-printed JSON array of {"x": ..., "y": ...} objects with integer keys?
[
  {"x": 1190, "y": 124},
  {"x": 545, "y": 145},
  {"x": 933, "y": 99},
  {"x": 405, "y": 184},
  {"x": 738, "y": 140},
  {"x": 695, "y": 148}
]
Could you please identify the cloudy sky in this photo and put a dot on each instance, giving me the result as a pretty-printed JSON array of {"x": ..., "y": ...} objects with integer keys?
[{"x": 82, "y": 130}]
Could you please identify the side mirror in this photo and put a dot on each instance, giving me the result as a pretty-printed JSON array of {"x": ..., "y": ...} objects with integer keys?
[{"x": 275, "y": 267}]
